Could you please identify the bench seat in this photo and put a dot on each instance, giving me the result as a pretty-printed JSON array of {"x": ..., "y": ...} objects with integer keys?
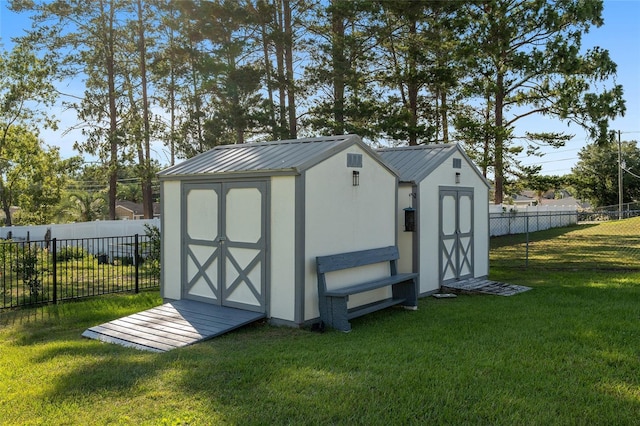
[{"x": 370, "y": 285}]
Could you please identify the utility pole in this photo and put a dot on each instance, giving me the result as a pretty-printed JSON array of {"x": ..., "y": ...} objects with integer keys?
[{"x": 620, "y": 198}]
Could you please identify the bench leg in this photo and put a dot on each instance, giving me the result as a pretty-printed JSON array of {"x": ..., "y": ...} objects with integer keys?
[
  {"x": 407, "y": 290},
  {"x": 337, "y": 313}
]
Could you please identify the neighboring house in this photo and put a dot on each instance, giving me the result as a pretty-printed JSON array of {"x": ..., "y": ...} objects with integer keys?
[
  {"x": 523, "y": 200},
  {"x": 566, "y": 202},
  {"x": 528, "y": 198},
  {"x": 128, "y": 210}
]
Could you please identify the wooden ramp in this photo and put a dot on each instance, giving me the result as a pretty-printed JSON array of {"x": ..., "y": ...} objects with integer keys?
[
  {"x": 484, "y": 286},
  {"x": 172, "y": 325}
]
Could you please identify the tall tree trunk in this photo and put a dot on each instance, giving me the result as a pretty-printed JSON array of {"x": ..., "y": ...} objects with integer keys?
[
  {"x": 267, "y": 71},
  {"x": 413, "y": 86},
  {"x": 444, "y": 116},
  {"x": 113, "y": 111},
  {"x": 339, "y": 68},
  {"x": 6, "y": 203},
  {"x": 291, "y": 91},
  {"x": 135, "y": 131},
  {"x": 172, "y": 92},
  {"x": 279, "y": 45},
  {"x": 6, "y": 199},
  {"x": 172, "y": 116},
  {"x": 197, "y": 101},
  {"x": 147, "y": 193},
  {"x": 499, "y": 142},
  {"x": 239, "y": 135},
  {"x": 486, "y": 154}
]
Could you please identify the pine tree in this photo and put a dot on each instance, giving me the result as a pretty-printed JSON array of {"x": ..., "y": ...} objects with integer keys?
[{"x": 529, "y": 61}]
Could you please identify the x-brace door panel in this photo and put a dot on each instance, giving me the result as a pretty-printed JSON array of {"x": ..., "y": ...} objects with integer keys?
[
  {"x": 225, "y": 243},
  {"x": 456, "y": 234}
]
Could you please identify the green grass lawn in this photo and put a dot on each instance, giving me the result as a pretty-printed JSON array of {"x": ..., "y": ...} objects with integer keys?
[{"x": 566, "y": 352}]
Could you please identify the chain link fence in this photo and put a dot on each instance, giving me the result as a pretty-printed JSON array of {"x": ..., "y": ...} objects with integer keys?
[
  {"x": 624, "y": 211},
  {"x": 512, "y": 222},
  {"x": 563, "y": 241}
]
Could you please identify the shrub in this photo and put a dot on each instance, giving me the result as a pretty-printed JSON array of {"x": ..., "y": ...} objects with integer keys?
[
  {"x": 152, "y": 250},
  {"x": 26, "y": 267},
  {"x": 67, "y": 253},
  {"x": 123, "y": 261}
]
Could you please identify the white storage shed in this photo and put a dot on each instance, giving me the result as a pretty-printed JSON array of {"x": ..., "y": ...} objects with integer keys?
[
  {"x": 242, "y": 224},
  {"x": 443, "y": 212}
]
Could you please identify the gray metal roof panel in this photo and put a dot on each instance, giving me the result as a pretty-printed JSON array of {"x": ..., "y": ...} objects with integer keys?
[
  {"x": 293, "y": 155},
  {"x": 415, "y": 163}
]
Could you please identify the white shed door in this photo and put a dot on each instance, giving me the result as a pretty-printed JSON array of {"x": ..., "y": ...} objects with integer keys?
[
  {"x": 224, "y": 238},
  {"x": 456, "y": 234}
]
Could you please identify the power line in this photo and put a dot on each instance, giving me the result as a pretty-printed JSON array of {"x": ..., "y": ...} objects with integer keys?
[
  {"x": 632, "y": 174},
  {"x": 555, "y": 152},
  {"x": 551, "y": 161}
]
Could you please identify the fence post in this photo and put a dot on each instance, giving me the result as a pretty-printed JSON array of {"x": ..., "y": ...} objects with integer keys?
[
  {"x": 526, "y": 261},
  {"x": 136, "y": 262},
  {"x": 54, "y": 259}
]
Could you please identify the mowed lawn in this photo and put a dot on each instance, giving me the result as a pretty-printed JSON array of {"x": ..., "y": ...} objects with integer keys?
[{"x": 566, "y": 352}]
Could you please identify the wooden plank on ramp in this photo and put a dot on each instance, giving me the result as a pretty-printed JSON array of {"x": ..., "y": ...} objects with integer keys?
[
  {"x": 484, "y": 286},
  {"x": 172, "y": 325}
]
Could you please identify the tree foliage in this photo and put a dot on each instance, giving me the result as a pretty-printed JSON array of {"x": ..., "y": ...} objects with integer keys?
[
  {"x": 26, "y": 90},
  {"x": 33, "y": 178},
  {"x": 84, "y": 206},
  {"x": 595, "y": 176},
  {"x": 195, "y": 74},
  {"x": 529, "y": 60}
]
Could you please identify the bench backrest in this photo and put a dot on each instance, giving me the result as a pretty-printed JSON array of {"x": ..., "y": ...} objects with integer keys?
[{"x": 354, "y": 259}]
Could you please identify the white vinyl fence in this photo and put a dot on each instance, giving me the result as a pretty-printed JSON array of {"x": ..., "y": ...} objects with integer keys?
[
  {"x": 112, "y": 238},
  {"x": 507, "y": 220},
  {"x": 97, "y": 229}
]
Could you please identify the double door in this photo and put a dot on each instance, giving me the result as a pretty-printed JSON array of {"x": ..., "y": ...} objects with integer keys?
[
  {"x": 224, "y": 246},
  {"x": 456, "y": 234}
]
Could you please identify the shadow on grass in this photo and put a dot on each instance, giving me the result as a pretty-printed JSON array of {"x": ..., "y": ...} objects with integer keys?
[
  {"x": 552, "y": 355},
  {"x": 101, "y": 370},
  {"x": 572, "y": 251},
  {"x": 39, "y": 324},
  {"x": 449, "y": 361},
  {"x": 564, "y": 352}
]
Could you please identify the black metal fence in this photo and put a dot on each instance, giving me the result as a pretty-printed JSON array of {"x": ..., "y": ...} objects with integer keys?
[{"x": 49, "y": 271}]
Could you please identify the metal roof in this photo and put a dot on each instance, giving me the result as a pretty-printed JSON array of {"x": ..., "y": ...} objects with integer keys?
[
  {"x": 286, "y": 156},
  {"x": 415, "y": 163}
]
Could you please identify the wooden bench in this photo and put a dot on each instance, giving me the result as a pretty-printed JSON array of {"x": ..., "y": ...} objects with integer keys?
[{"x": 333, "y": 303}]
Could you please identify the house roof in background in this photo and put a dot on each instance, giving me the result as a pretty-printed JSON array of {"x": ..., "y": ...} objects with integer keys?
[
  {"x": 136, "y": 208},
  {"x": 568, "y": 201},
  {"x": 287, "y": 156}
]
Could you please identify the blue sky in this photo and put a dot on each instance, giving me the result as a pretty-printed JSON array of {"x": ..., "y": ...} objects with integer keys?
[{"x": 620, "y": 34}]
